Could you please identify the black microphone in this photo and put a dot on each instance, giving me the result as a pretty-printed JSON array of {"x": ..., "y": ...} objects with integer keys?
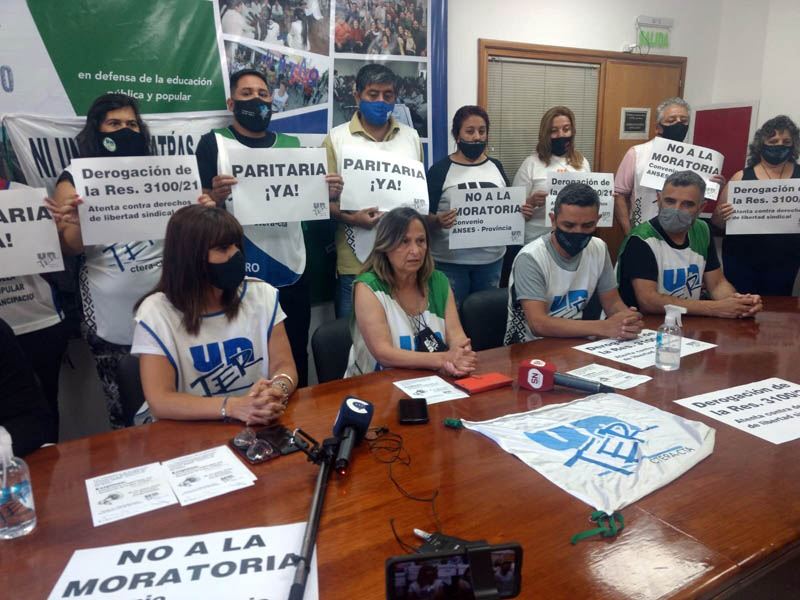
[
  {"x": 350, "y": 427},
  {"x": 579, "y": 383}
]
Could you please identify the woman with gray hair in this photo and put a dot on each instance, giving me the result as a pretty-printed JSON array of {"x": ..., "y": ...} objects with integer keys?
[
  {"x": 405, "y": 314},
  {"x": 765, "y": 264}
]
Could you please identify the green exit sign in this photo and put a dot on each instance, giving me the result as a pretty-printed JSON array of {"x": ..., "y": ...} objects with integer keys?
[{"x": 654, "y": 39}]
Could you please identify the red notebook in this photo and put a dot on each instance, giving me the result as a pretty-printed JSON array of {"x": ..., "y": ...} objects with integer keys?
[{"x": 483, "y": 383}]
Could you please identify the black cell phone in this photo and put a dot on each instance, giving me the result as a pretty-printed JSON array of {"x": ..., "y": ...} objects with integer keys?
[
  {"x": 449, "y": 574},
  {"x": 412, "y": 411}
]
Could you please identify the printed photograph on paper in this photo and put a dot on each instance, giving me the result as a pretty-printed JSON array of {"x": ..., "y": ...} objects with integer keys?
[
  {"x": 295, "y": 81},
  {"x": 393, "y": 27},
  {"x": 411, "y": 107},
  {"x": 300, "y": 25}
]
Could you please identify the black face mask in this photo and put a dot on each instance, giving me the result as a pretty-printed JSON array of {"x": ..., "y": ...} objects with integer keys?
[
  {"x": 675, "y": 132},
  {"x": 776, "y": 155},
  {"x": 572, "y": 242},
  {"x": 472, "y": 150},
  {"x": 560, "y": 145},
  {"x": 228, "y": 275},
  {"x": 254, "y": 114},
  {"x": 122, "y": 142}
]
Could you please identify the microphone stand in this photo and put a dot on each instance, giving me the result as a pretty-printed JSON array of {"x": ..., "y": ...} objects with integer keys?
[{"x": 324, "y": 457}]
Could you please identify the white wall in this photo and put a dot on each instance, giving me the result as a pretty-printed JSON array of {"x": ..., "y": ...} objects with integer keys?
[
  {"x": 780, "y": 86},
  {"x": 740, "y": 54},
  {"x": 593, "y": 24}
]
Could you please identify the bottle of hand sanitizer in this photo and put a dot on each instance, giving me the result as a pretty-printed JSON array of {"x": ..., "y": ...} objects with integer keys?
[
  {"x": 668, "y": 339},
  {"x": 17, "y": 513}
]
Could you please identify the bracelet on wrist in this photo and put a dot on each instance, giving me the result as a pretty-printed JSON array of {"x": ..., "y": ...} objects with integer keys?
[
  {"x": 223, "y": 409},
  {"x": 284, "y": 388}
]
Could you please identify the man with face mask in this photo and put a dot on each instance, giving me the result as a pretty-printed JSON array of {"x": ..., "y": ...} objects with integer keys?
[
  {"x": 634, "y": 203},
  {"x": 371, "y": 126},
  {"x": 275, "y": 252},
  {"x": 554, "y": 276},
  {"x": 668, "y": 259}
]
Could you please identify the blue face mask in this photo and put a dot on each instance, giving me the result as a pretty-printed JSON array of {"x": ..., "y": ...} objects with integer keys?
[{"x": 376, "y": 112}]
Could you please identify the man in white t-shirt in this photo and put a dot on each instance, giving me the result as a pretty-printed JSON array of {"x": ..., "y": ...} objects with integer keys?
[
  {"x": 634, "y": 203},
  {"x": 555, "y": 275}
]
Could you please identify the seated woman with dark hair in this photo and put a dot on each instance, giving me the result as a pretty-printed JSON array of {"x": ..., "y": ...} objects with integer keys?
[
  {"x": 211, "y": 343},
  {"x": 405, "y": 314}
]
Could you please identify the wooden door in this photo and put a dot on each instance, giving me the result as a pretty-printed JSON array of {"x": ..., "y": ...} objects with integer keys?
[{"x": 634, "y": 84}]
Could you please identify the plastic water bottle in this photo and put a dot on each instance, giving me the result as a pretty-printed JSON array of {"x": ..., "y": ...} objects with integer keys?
[
  {"x": 17, "y": 512},
  {"x": 668, "y": 339}
]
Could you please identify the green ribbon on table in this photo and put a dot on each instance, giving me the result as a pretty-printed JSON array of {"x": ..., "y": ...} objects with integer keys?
[{"x": 609, "y": 529}]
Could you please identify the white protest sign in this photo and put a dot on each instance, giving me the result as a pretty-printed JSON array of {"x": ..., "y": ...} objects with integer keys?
[
  {"x": 246, "y": 563},
  {"x": 668, "y": 156},
  {"x": 641, "y": 352},
  {"x": 383, "y": 179},
  {"x": 769, "y": 409},
  {"x": 602, "y": 183},
  {"x": 620, "y": 380},
  {"x": 28, "y": 235},
  {"x": 764, "y": 206},
  {"x": 276, "y": 185},
  {"x": 487, "y": 217},
  {"x": 132, "y": 198}
]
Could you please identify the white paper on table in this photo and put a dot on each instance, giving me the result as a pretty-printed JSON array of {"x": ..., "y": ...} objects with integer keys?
[
  {"x": 434, "y": 389},
  {"x": 245, "y": 563},
  {"x": 123, "y": 494},
  {"x": 667, "y": 157},
  {"x": 769, "y": 409},
  {"x": 615, "y": 378},
  {"x": 207, "y": 474},
  {"x": 641, "y": 352}
]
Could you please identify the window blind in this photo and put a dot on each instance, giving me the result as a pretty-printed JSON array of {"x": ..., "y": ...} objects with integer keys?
[{"x": 520, "y": 91}]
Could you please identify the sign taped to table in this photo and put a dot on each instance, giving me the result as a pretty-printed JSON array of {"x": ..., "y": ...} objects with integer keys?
[
  {"x": 132, "y": 198},
  {"x": 764, "y": 206},
  {"x": 28, "y": 235},
  {"x": 769, "y": 409},
  {"x": 383, "y": 179},
  {"x": 606, "y": 450},
  {"x": 639, "y": 352},
  {"x": 279, "y": 185},
  {"x": 246, "y": 563},
  {"x": 487, "y": 217},
  {"x": 668, "y": 156},
  {"x": 602, "y": 183}
]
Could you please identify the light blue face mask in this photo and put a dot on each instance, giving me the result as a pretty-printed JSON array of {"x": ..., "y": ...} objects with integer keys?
[
  {"x": 674, "y": 220},
  {"x": 376, "y": 112}
]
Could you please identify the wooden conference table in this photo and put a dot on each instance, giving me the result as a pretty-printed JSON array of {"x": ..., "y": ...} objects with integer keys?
[{"x": 728, "y": 520}]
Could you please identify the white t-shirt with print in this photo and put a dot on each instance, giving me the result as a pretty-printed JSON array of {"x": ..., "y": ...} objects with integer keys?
[
  {"x": 532, "y": 175},
  {"x": 225, "y": 358}
]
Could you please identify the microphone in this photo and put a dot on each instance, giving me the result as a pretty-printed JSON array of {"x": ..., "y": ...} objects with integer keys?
[
  {"x": 350, "y": 427},
  {"x": 540, "y": 376}
]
